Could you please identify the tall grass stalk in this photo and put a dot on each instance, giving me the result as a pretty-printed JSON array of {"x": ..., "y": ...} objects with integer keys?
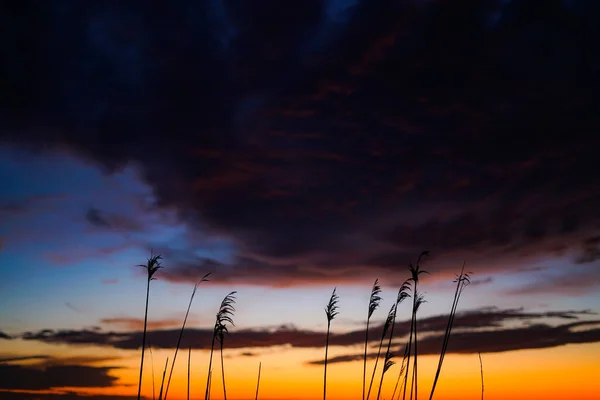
[
  {"x": 152, "y": 265},
  {"x": 415, "y": 272},
  {"x": 221, "y": 339},
  {"x": 402, "y": 368},
  {"x": 420, "y": 300},
  {"x": 408, "y": 354},
  {"x": 374, "y": 301},
  {"x": 462, "y": 280},
  {"x": 188, "y": 371},
  {"x": 187, "y": 313},
  {"x": 162, "y": 383},
  {"x": 331, "y": 311},
  {"x": 481, "y": 369},
  {"x": 402, "y": 294},
  {"x": 386, "y": 327},
  {"x": 386, "y": 366},
  {"x": 209, "y": 382},
  {"x": 224, "y": 315},
  {"x": 258, "y": 381}
]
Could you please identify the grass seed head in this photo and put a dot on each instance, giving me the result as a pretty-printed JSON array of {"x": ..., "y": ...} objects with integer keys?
[
  {"x": 152, "y": 265},
  {"x": 331, "y": 310},
  {"x": 375, "y": 299}
]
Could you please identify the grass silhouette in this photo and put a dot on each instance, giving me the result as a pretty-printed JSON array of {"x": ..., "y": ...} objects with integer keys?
[
  {"x": 258, "y": 381},
  {"x": 152, "y": 265},
  {"x": 374, "y": 301},
  {"x": 402, "y": 295},
  {"x": 224, "y": 317},
  {"x": 187, "y": 313},
  {"x": 331, "y": 311}
]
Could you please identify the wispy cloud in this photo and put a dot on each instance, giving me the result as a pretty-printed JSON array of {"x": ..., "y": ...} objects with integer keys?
[
  {"x": 138, "y": 323},
  {"x": 575, "y": 281},
  {"x": 70, "y": 306}
]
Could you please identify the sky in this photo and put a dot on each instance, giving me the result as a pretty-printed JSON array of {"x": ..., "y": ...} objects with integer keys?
[{"x": 288, "y": 148}]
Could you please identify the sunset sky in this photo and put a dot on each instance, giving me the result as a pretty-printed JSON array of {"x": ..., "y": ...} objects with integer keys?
[{"x": 290, "y": 147}]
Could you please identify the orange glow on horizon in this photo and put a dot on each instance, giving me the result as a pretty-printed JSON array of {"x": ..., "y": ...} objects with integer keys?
[{"x": 548, "y": 374}]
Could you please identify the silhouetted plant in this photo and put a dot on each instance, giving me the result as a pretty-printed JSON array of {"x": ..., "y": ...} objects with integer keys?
[
  {"x": 224, "y": 316},
  {"x": 189, "y": 371},
  {"x": 187, "y": 313},
  {"x": 374, "y": 301},
  {"x": 258, "y": 381},
  {"x": 386, "y": 366},
  {"x": 209, "y": 382},
  {"x": 222, "y": 331},
  {"x": 386, "y": 327},
  {"x": 400, "y": 373},
  {"x": 152, "y": 265},
  {"x": 481, "y": 369},
  {"x": 331, "y": 311},
  {"x": 462, "y": 280},
  {"x": 402, "y": 295},
  {"x": 162, "y": 383},
  {"x": 420, "y": 300},
  {"x": 415, "y": 272}
]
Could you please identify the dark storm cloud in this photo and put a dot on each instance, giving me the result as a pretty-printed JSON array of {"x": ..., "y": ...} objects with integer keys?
[
  {"x": 19, "y": 377},
  {"x": 324, "y": 138},
  {"x": 285, "y": 335}
]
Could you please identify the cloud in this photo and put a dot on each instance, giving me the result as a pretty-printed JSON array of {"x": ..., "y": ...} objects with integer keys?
[
  {"x": 315, "y": 158},
  {"x": 69, "y": 395},
  {"x": 44, "y": 372},
  {"x": 28, "y": 204},
  {"x": 590, "y": 250},
  {"x": 7, "y": 359},
  {"x": 114, "y": 221},
  {"x": 77, "y": 255},
  {"x": 110, "y": 281},
  {"x": 48, "y": 360},
  {"x": 286, "y": 335},
  {"x": 538, "y": 336},
  {"x": 138, "y": 323},
  {"x": 94, "y": 217},
  {"x": 482, "y": 281},
  {"x": 575, "y": 281},
  {"x": 70, "y": 306},
  {"x": 18, "y": 377}
]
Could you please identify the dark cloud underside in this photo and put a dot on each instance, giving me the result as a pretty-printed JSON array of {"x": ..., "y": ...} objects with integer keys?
[
  {"x": 19, "y": 377},
  {"x": 321, "y": 140},
  {"x": 466, "y": 337}
]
